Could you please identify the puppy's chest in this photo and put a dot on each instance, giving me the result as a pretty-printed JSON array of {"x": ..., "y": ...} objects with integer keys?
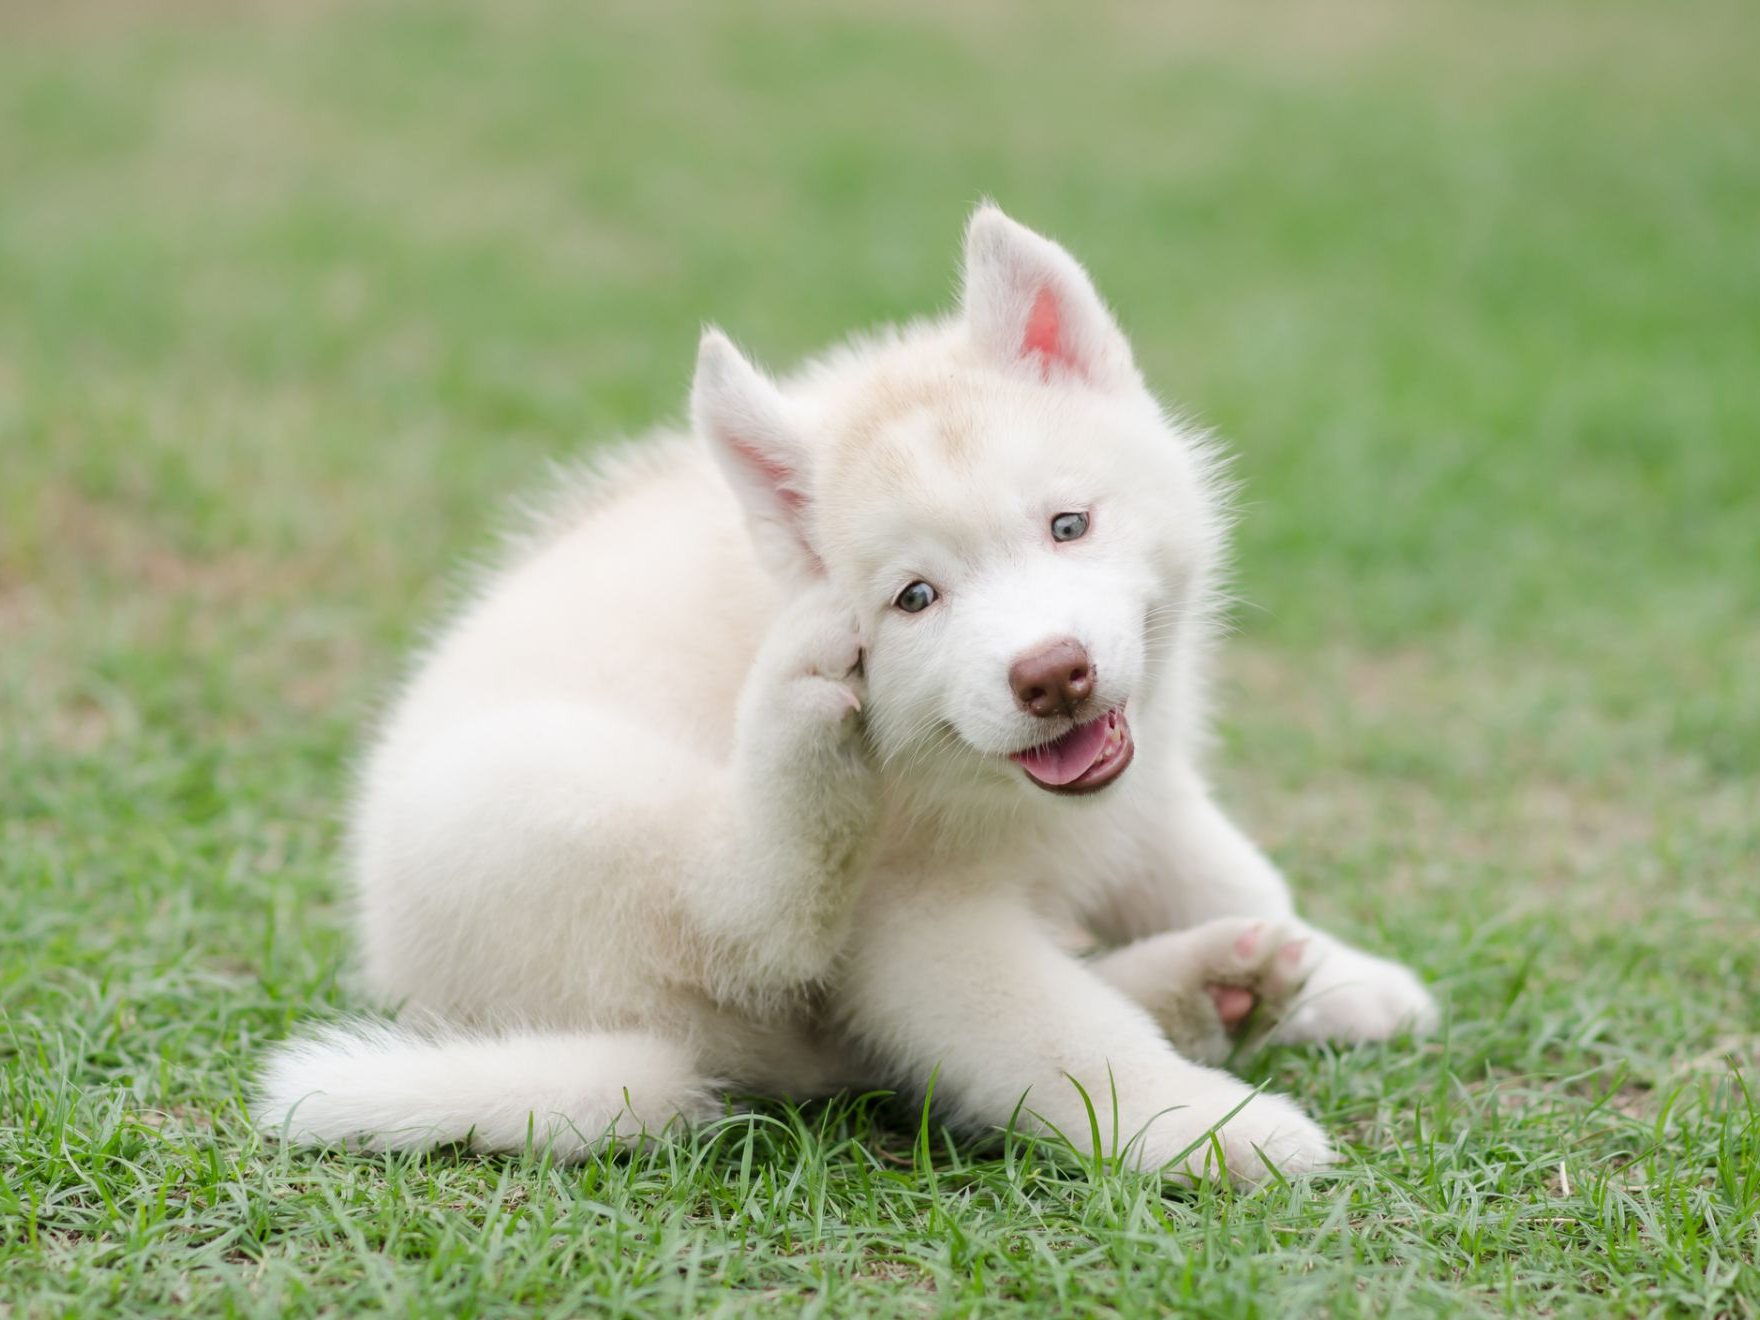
[
  {"x": 1093, "y": 854},
  {"x": 1055, "y": 859}
]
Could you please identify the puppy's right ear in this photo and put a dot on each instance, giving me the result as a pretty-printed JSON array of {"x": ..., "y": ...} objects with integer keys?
[
  {"x": 1030, "y": 306},
  {"x": 754, "y": 436}
]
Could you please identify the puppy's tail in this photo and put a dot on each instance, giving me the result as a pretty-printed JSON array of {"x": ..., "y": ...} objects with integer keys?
[{"x": 389, "y": 1087}]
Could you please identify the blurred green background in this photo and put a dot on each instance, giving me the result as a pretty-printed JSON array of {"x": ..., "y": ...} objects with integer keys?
[{"x": 294, "y": 298}]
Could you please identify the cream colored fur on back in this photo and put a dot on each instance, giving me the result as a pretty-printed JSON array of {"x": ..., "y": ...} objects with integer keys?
[{"x": 683, "y": 801}]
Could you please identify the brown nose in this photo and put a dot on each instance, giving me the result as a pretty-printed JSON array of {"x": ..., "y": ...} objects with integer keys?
[{"x": 1054, "y": 679}]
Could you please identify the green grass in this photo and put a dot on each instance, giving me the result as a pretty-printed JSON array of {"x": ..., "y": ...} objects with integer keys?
[{"x": 292, "y": 299}]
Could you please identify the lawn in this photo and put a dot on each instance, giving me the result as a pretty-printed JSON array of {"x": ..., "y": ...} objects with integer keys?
[{"x": 294, "y": 299}]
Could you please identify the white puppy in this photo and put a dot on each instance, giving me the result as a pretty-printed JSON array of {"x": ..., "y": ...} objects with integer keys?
[{"x": 778, "y": 760}]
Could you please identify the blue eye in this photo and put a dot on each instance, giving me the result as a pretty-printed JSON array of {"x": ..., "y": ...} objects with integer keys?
[
  {"x": 915, "y": 598},
  {"x": 1069, "y": 527}
]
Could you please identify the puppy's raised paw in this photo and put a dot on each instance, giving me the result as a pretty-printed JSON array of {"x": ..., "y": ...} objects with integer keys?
[{"x": 806, "y": 689}]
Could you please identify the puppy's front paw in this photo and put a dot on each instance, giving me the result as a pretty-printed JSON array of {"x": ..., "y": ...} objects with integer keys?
[
  {"x": 1229, "y": 1130},
  {"x": 1354, "y": 996}
]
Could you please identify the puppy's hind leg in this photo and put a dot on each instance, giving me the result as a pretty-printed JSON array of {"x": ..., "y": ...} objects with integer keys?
[
  {"x": 802, "y": 794},
  {"x": 553, "y": 861}
]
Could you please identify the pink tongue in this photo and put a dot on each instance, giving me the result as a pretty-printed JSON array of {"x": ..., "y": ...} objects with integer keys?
[{"x": 1057, "y": 763}]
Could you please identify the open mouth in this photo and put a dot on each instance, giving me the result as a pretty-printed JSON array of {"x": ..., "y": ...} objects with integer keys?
[{"x": 1085, "y": 760}]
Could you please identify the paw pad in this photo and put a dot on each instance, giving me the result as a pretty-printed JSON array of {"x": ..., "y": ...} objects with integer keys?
[
  {"x": 1251, "y": 972},
  {"x": 1233, "y": 1003}
]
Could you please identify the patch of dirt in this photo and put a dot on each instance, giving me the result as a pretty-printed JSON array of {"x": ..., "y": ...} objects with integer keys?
[
  {"x": 84, "y": 541},
  {"x": 109, "y": 579}
]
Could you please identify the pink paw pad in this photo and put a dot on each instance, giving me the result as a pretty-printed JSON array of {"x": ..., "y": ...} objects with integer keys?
[
  {"x": 1233, "y": 1003},
  {"x": 1246, "y": 944}
]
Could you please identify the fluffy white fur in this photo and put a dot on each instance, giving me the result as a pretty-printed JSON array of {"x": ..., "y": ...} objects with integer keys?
[
  {"x": 568, "y": 1092},
  {"x": 683, "y": 801}
]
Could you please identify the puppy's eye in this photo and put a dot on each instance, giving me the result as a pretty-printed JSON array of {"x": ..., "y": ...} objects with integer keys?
[
  {"x": 915, "y": 598},
  {"x": 1069, "y": 527}
]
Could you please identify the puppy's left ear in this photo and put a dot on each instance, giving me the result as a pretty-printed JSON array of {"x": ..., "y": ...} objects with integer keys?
[
  {"x": 751, "y": 430},
  {"x": 1029, "y": 305}
]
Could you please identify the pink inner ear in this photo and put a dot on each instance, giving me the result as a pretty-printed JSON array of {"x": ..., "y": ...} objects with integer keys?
[
  {"x": 779, "y": 476},
  {"x": 1044, "y": 334}
]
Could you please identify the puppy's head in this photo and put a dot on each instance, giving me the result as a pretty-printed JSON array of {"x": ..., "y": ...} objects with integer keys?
[{"x": 1024, "y": 536}]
